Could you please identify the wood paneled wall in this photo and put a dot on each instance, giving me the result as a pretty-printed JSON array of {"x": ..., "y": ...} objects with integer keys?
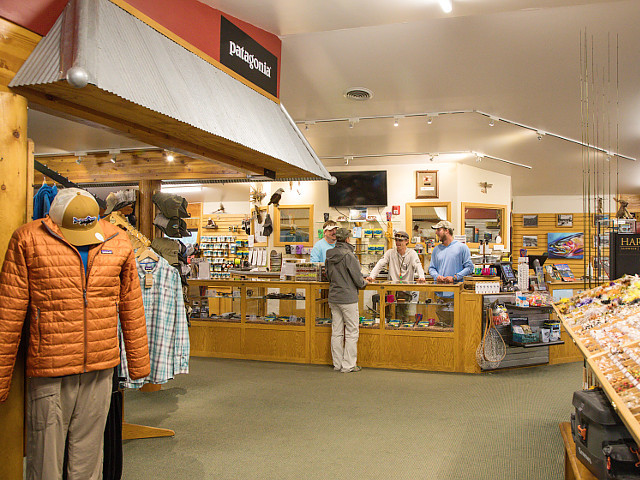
[{"x": 547, "y": 222}]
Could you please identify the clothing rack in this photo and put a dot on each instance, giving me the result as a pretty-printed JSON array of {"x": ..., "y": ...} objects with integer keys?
[{"x": 141, "y": 245}]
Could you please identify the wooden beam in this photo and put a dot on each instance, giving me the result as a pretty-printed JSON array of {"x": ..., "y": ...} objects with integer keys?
[
  {"x": 13, "y": 213},
  {"x": 16, "y": 44},
  {"x": 154, "y": 128},
  {"x": 134, "y": 166}
]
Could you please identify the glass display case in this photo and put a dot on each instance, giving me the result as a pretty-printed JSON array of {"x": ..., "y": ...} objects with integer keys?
[
  {"x": 278, "y": 305},
  {"x": 438, "y": 326}
]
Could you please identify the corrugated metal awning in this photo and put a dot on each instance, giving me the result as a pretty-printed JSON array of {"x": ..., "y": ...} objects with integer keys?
[{"x": 141, "y": 83}]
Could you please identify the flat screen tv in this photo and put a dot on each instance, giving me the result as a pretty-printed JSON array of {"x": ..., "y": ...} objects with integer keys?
[{"x": 359, "y": 189}]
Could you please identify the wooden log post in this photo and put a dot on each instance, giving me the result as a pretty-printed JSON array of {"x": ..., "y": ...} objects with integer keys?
[
  {"x": 14, "y": 189},
  {"x": 146, "y": 212},
  {"x": 145, "y": 221}
]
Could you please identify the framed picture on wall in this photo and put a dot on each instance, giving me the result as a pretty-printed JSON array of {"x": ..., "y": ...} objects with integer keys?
[
  {"x": 565, "y": 245},
  {"x": 564, "y": 220},
  {"x": 530, "y": 220},
  {"x": 529, "y": 240},
  {"x": 427, "y": 184}
]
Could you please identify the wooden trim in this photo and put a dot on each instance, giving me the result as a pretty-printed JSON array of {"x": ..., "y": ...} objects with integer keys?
[
  {"x": 464, "y": 205},
  {"x": 435, "y": 174},
  {"x": 196, "y": 51},
  {"x": 276, "y": 225},
  {"x": 409, "y": 213}
]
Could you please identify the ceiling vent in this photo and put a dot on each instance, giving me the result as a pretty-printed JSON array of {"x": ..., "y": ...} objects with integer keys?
[{"x": 358, "y": 93}]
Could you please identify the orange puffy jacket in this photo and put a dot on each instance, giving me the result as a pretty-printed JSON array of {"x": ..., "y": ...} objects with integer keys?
[{"x": 72, "y": 317}]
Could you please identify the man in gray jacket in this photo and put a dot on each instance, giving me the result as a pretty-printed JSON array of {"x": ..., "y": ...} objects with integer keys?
[{"x": 345, "y": 278}]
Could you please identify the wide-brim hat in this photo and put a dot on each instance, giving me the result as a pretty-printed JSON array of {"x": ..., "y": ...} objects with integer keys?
[{"x": 77, "y": 214}]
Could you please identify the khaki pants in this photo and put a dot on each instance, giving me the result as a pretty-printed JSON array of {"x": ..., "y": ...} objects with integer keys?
[
  {"x": 73, "y": 406},
  {"x": 345, "y": 330}
]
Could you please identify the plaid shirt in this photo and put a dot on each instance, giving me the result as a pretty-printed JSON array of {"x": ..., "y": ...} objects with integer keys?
[{"x": 167, "y": 330}]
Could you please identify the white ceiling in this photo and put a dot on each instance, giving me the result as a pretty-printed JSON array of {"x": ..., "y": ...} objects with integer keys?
[{"x": 516, "y": 59}]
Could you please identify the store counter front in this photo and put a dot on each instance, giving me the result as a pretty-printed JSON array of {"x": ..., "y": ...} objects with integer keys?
[{"x": 428, "y": 326}]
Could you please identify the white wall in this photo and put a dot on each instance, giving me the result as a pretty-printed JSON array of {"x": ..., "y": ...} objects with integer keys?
[{"x": 554, "y": 204}]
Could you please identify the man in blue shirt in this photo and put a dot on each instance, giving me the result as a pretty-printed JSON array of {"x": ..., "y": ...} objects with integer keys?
[
  {"x": 319, "y": 251},
  {"x": 451, "y": 260}
]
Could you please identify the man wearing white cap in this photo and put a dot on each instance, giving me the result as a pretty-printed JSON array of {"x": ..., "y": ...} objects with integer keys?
[
  {"x": 451, "y": 260},
  {"x": 319, "y": 251}
]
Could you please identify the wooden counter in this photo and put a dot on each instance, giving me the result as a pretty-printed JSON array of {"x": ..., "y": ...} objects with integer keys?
[{"x": 437, "y": 349}]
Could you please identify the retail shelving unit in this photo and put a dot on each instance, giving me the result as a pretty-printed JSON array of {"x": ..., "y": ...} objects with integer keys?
[{"x": 615, "y": 369}]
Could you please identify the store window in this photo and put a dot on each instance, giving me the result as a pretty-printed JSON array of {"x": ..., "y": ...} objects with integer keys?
[
  {"x": 421, "y": 216},
  {"x": 293, "y": 225},
  {"x": 483, "y": 222}
]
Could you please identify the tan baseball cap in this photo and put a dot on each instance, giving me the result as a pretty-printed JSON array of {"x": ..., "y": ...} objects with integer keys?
[
  {"x": 443, "y": 224},
  {"x": 77, "y": 214}
]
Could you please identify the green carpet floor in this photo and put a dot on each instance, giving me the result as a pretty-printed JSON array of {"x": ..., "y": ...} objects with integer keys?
[{"x": 254, "y": 420}]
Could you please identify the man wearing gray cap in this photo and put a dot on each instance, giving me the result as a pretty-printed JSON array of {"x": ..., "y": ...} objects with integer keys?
[
  {"x": 345, "y": 279},
  {"x": 451, "y": 260},
  {"x": 403, "y": 263}
]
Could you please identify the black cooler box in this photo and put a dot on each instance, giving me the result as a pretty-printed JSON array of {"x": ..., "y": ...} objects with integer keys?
[{"x": 603, "y": 443}]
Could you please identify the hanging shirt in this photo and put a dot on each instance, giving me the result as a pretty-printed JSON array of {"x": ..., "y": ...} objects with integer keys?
[
  {"x": 42, "y": 200},
  {"x": 167, "y": 330}
]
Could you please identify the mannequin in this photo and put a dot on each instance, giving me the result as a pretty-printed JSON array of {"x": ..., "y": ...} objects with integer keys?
[{"x": 71, "y": 275}]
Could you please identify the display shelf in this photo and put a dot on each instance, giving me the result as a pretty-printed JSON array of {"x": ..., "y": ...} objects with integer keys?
[
  {"x": 544, "y": 308},
  {"x": 536, "y": 344}
]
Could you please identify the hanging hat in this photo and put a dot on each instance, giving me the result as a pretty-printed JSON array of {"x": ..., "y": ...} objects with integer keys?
[
  {"x": 268, "y": 226},
  {"x": 171, "y": 205},
  {"x": 77, "y": 214}
]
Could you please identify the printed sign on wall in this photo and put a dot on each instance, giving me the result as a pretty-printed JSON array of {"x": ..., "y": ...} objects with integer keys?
[{"x": 248, "y": 58}]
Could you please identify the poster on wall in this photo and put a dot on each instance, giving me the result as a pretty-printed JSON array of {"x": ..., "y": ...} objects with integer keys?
[
  {"x": 529, "y": 240},
  {"x": 566, "y": 245}
]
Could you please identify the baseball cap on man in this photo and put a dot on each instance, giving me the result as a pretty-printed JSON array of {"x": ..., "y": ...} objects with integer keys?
[
  {"x": 342, "y": 234},
  {"x": 401, "y": 236},
  {"x": 443, "y": 224},
  {"x": 77, "y": 214}
]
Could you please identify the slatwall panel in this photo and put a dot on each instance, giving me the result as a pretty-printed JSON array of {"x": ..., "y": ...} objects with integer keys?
[
  {"x": 546, "y": 224},
  {"x": 224, "y": 221}
]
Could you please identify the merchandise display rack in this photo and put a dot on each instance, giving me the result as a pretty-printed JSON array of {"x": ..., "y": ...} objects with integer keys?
[
  {"x": 225, "y": 245},
  {"x": 612, "y": 353}
]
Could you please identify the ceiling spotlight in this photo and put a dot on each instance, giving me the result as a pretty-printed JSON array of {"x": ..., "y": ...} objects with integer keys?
[
  {"x": 396, "y": 121},
  {"x": 113, "y": 154},
  {"x": 168, "y": 156},
  {"x": 353, "y": 121},
  {"x": 431, "y": 158},
  {"x": 479, "y": 157},
  {"x": 113, "y": 159},
  {"x": 446, "y": 5},
  {"x": 78, "y": 160},
  {"x": 540, "y": 134},
  {"x": 429, "y": 119},
  {"x": 492, "y": 121}
]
